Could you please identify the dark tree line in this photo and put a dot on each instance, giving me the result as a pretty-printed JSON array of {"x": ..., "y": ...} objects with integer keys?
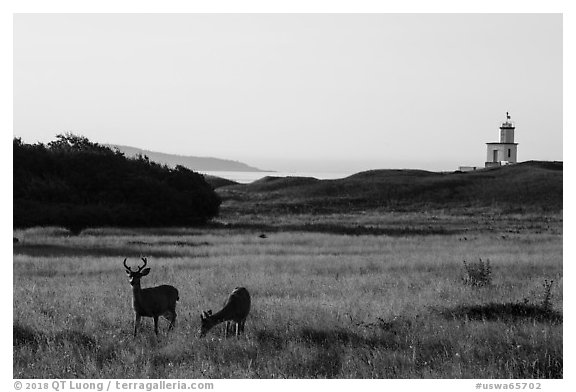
[{"x": 74, "y": 183}]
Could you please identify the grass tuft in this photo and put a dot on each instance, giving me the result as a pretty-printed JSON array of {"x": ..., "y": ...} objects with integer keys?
[
  {"x": 478, "y": 273},
  {"x": 547, "y": 300}
]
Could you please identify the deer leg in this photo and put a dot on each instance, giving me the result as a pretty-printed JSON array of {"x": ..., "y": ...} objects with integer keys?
[
  {"x": 226, "y": 330},
  {"x": 172, "y": 321},
  {"x": 242, "y": 325},
  {"x": 136, "y": 323},
  {"x": 156, "y": 325},
  {"x": 237, "y": 328}
]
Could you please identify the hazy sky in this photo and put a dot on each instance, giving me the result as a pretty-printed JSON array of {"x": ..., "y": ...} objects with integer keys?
[{"x": 308, "y": 92}]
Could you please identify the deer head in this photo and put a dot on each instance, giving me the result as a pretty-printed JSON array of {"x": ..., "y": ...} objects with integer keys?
[
  {"x": 206, "y": 322},
  {"x": 134, "y": 276}
]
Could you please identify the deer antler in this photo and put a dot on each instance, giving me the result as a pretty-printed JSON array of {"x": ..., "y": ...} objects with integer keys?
[
  {"x": 127, "y": 268},
  {"x": 144, "y": 260}
]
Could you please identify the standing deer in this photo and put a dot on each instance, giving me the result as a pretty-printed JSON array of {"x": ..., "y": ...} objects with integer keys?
[
  {"x": 236, "y": 309},
  {"x": 153, "y": 301}
]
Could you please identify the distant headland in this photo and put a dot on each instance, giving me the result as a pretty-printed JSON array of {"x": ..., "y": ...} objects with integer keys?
[{"x": 191, "y": 162}]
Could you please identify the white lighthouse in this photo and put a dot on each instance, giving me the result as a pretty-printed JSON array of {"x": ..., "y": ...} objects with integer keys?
[{"x": 505, "y": 151}]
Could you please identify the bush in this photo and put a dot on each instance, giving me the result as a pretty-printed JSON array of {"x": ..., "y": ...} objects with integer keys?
[
  {"x": 76, "y": 184},
  {"x": 478, "y": 273},
  {"x": 547, "y": 300}
]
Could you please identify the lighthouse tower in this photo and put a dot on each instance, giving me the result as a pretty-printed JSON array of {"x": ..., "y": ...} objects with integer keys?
[{"x": 505, "y": 151}]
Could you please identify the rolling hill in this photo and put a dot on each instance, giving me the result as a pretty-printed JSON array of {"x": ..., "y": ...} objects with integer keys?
[{"x": 528, "y": 186}]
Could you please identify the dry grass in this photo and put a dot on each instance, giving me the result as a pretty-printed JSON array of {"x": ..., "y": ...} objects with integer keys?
[{"x": 324, "y": 305}]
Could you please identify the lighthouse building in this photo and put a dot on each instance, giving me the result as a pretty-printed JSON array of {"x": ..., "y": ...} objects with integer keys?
[{"x": 505, "y": 151}]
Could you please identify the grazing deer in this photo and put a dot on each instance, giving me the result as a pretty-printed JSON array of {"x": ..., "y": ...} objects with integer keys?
[
  {"x": 153, "y": 301},
  {"x": 236, "y": 309}
]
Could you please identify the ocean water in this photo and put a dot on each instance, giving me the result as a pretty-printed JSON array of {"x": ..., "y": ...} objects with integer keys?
[{"x": 248, "y": 177}]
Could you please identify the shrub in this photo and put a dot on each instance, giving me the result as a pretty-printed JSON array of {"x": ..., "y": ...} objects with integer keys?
[
  {"x": 478, "y": 273},
  {"x": 547, "y": 300},
  {"x": 74, "y": 183}
]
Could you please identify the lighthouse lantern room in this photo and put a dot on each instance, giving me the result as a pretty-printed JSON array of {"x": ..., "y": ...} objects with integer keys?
[{"x": 505, "y": 151}]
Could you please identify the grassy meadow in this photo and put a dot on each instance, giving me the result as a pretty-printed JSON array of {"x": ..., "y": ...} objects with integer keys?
[{"x": 324, "y": 305}]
